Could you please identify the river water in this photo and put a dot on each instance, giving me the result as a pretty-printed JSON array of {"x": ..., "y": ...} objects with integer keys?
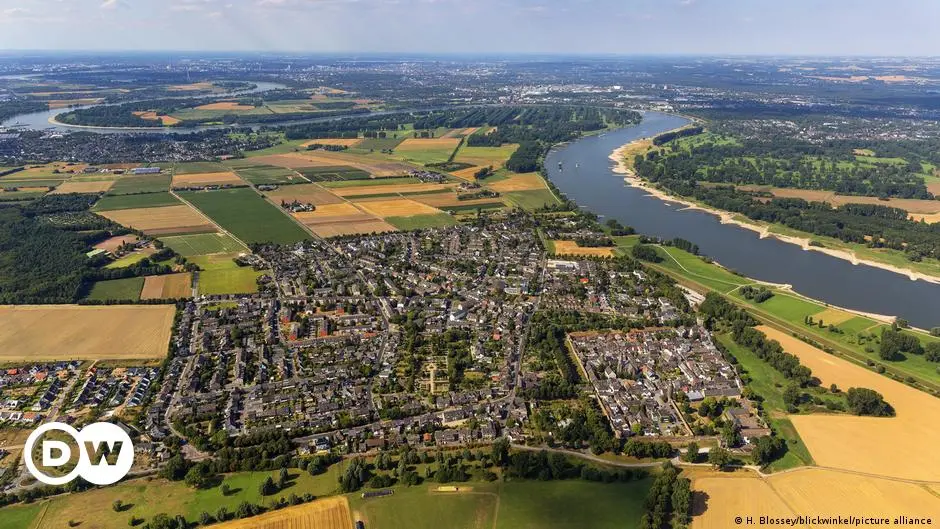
[{"x": 588, "y": 179}]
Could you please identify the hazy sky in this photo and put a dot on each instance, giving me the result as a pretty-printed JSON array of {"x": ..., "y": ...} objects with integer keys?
[{"x": 864, "y": 27}]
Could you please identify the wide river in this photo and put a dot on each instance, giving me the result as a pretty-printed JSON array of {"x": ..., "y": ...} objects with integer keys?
[{"x": 587, "y": 178}]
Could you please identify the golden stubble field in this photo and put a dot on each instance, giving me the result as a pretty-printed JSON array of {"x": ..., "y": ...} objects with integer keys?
[
  {"x": 206, "y": 179},
  {"x": 518, "y": 182},
  {"x": 399, "y": 207},
  {"x": 572, "y": 248},
  {"x": 721, "y": 496},
  {"x": 167, "y": 219},
  {"x": 83, "y": 187},
  {"x": 903, "y": 446},
  {"x": 364, "y": 189},
  {"x": 64, "y": 332},
  {"x": 422, "y": 144},
  {"x": 328, "y": 513}
]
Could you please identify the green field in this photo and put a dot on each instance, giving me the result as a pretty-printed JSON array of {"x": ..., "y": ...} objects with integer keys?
[
  {"x": 485, "y": 156},
  {"x": 143, "y": 200},
  {"x": 118, "y": 289},
  {"x": 269, "y": 174},
  {"x": 127, "y": 260},
  {"x": 381, "y": 144},
  {"x": 420, "y": 222},
  {"x": 692, "y": 266},
  {"x": 203, "y": 243},
  {"x": 572, "y": 504},
  {"x": 429, "y": 155},
  {"x": 140, "y": 184},
  {"x": 372, "y": 182},
  {"x": 247, "y": 215},
  {"x": 219, "y": 274},
  {"x": 198, "y": 167},
  {"x": 338, "y": 173},
  {"x": 532, "y": 200},
  {"x": 93, "y": 508}
]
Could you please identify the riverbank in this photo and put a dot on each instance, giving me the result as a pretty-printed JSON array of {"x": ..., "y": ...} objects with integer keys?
[{"x": 618, "y": 156}]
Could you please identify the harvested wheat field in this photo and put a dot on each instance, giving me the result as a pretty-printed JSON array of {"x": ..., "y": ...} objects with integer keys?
[
  {"x": 440, "y": 200},
  {"x": 868, "y": 444},
  {"x": 518, "y": 182},
  {"x": 351, "y": 227},
  {"x": 423, "y": 144},
  {"x": 172, "y": 286},
  {"x": 815, "y": 491},
  {"x": 225, "y": 105},
  {"x": 206, "y": 179},
  {"x": 162, "y": 220},
  {"x": 353, "y": 191},
  {"x": 330, "y": 211},
  {"x": 833, "y": 316},
  {"x": 344, "y": 142},
  {"x": 400, "y": 207},
  {"x": 115, "y": 242},
  {"x": 468, "y": 174},
  {"x": 934, "y": 187},
  {"x": 572, "y": 248},
  {"x": 153, "y": 116},
  {"x": 63, "y": 332},
  {"x": 306, "y": 193},
  {"x": 327, "y": 513},
  {"x": 831, "y": 492},
  {"x": 191, "y": 87},
  {"x": 734, "y": 495},
  {"x": 929, "y": 218},
  {"x": 99, "y": 186},
  {"x": 378, "y": 168}
]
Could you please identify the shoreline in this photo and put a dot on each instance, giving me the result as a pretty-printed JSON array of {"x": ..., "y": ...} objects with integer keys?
[{"x": 726, "y": 217}]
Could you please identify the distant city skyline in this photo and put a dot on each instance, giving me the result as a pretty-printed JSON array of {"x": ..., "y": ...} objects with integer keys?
[{"x": 636, "y": 27}]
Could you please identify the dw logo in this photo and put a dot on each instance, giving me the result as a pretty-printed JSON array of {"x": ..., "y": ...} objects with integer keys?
[{"x": 96, "y": 443}]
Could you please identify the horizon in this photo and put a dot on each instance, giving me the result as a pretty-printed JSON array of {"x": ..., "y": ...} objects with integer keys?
[{"x": 761, "y": 28}]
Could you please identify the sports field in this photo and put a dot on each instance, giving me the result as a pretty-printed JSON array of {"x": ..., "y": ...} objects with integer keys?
[
  {"x": 202, "y": 244},
  {"x": 162, "y": 220},
  {"x": 328, "y": 513},
  {"x": 141, "y": 200},
  {"x": 868, "y": 444},
  {"x": 247, "y": 215},
  {"x": 171, "y": 286},
  {"x": 63, "y": 332}
]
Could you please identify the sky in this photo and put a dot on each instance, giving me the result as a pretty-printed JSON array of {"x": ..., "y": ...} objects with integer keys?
[{"x": 630, "y": 27}]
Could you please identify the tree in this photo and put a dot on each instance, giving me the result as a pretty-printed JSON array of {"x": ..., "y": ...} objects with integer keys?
[
  {"x": 719, "y": 457},
  {"x": 267, "y": 487},
  {"x": 226, "y": 490},
  {"x": 500, "y": 452},
  {"x": 691, "y": 452},
  {"x": 118, "y": 505},
  {"x": 792, "y": 396},
  {"x": 767, "y": 449},
  {"x": 864, "y": 401},
  {"x": 205, "y": 518},
  {"x": 682, "y": 501},
  {"x": 282, "y": 479},
  {"x": 731, "y": 435}
]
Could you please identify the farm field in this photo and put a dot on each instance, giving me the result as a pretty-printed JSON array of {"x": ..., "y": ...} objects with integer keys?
[
  {"x": 426, "y": 151},
  {"x": 517, "y": 182},
  {"x": 140, "y": 184},
  {"x": 77, "y": 186},
  {"x": 153, "y": 116},
  {"x": 131, "y": 258},
  {"x": 818, "y": 491},
  {"x": 376, "y": 166},
  {"x": 332, "y": 213},
  {"x": 198, "y": 167},
  {"x": 400, "y": 207},
  {"x": 206, "y": 179},
  {"x": 142, "y": 200},
  {"x": 62, "y": 332},
  {"x": 114, "y": 243},
  {"x": 356, "y": 227},
  {"x": 910, "y": 205},
  {"x": 328, "y": 513},
  {"x": 117, "y": 289},
  {"x": 202, "y": 244},
  {"x": 175, "y": 498},
  {"x": 531, "y": 200},
  {"x": 164, "y": 220},
  {"x": 343, "y": 142},
  {"x": 170, "y": 286},
  {"x": 570, "y": 504},
  {"x": 421, "y": 222},
  {"x": 373, "y": 187},
  {"x": 875, "y": 441},
  {"x": 219, "y": 274},
  {"x": 340, "y": 173},
  {"x": 306, "y": 193},
  {"x": 486, "y": 156},
  {"x": 572, "y": 248},
  {"x": 269, "y": 174},
  {"x": 247, "y": 215}
]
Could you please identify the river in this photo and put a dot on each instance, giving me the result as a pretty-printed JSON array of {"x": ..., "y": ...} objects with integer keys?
[{"x": 588, "y": 179}]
